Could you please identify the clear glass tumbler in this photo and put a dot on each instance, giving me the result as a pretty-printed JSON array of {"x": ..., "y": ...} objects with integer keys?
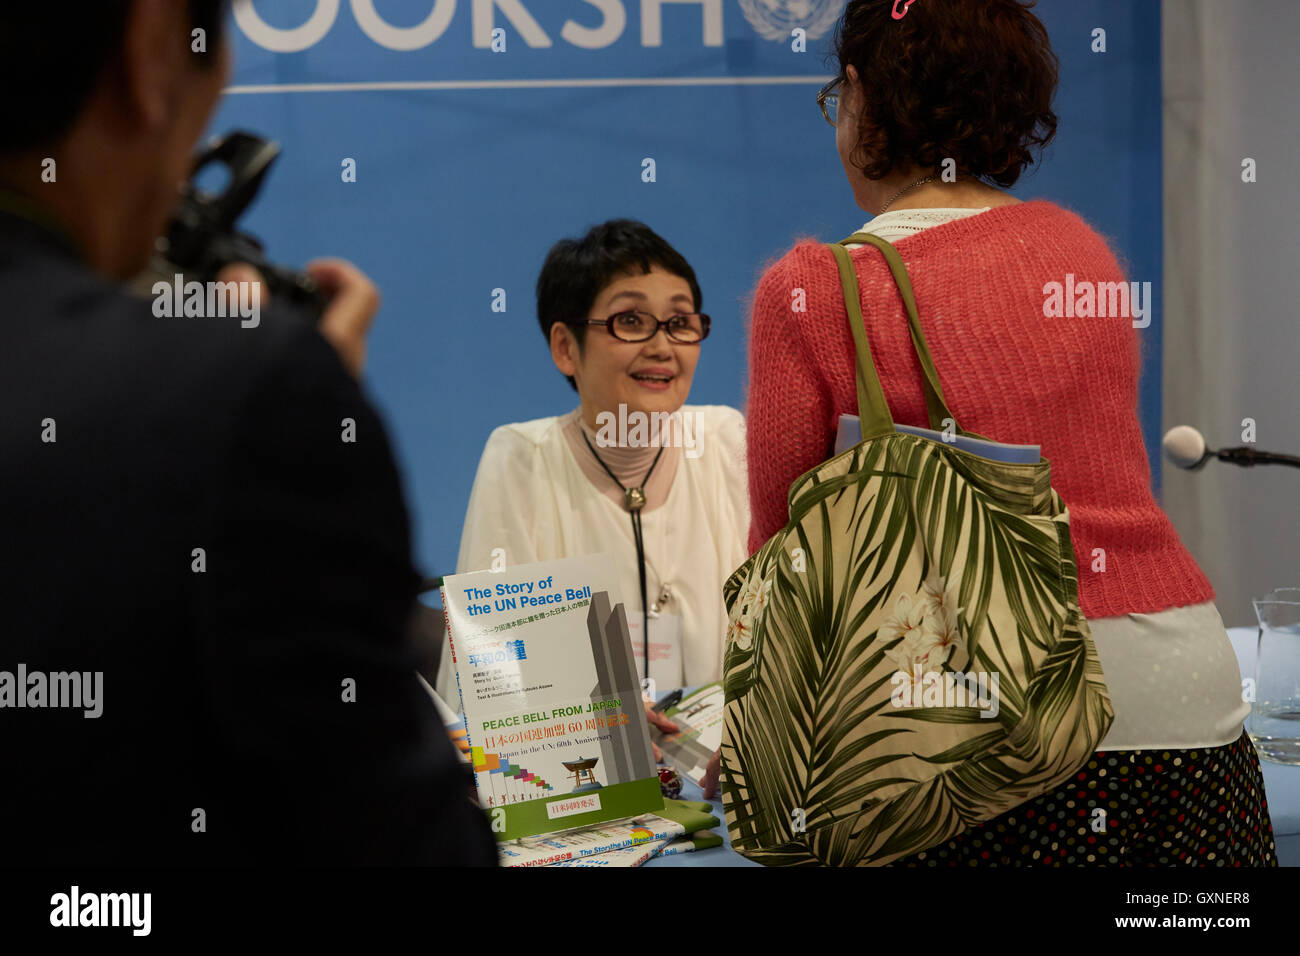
[{"x": 1274, "y": 722}]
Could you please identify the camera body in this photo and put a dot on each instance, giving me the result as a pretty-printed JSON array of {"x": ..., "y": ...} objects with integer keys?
[{"x": 201, "y": 238}]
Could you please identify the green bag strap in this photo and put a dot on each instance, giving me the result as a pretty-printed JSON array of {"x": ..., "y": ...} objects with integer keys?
[
  {"x": 870, "y": 390},
  {"x": 873, "y": 410}
]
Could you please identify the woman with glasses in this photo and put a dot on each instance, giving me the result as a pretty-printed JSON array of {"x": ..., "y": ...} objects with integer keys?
[
  {"x": 633, "y": 471},
  {"x": 935, "y": 115}
]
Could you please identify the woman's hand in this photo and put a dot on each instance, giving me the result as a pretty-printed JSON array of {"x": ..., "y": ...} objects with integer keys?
[{"x": 658, "y": 720}]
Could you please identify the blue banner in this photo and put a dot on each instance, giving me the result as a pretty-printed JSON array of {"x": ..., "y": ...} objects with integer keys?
[{"x": 445, "y": 145}]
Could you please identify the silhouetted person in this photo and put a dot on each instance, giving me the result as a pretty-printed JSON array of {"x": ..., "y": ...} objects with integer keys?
[{"x": 181, "y": 512}]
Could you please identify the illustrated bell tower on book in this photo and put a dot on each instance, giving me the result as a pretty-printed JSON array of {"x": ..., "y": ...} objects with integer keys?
[{"x": 626, "y": 753}]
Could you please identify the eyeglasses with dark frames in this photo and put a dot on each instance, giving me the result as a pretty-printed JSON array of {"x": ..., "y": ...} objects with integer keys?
[
  {"x": 688, "y": 328},
  {"x": 829, "y": 100}
]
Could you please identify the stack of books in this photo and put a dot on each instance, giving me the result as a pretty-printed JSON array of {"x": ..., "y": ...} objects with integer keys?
[{"x": 550, "y": 718}]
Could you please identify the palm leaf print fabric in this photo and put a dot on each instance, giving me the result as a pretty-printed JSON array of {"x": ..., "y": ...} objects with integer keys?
[{"x": 906, "y": 658}]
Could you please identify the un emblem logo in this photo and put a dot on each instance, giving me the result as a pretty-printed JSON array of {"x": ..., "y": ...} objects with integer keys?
[{"x": 774, "y": 19}]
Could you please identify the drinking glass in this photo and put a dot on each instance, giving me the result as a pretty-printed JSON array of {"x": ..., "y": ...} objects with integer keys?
[{"x": 1274, "y": 722}]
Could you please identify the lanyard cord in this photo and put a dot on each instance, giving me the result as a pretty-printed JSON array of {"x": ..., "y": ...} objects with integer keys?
[{"x": 634, "y": 501}]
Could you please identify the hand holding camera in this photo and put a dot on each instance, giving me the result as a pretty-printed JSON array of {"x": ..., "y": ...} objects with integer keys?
[
  {"x": 351, "y": 301},
  {"x": 202, "y": 241}
]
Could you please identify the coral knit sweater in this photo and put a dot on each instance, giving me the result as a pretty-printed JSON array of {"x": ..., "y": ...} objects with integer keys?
[{"x": 1008, "y": 373}]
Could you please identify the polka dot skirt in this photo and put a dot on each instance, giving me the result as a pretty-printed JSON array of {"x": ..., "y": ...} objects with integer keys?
[{"x": 1131, "y": 808}]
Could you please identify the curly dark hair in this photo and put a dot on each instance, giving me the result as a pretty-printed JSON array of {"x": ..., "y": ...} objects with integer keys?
[{"x": 970, "y": 80}]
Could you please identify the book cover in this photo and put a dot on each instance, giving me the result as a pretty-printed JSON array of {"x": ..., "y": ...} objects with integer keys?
[
  {"x": 699, "y": 719},
  {"x": 849, "y": 432},
  {"x": 690, "y": 842},
  {"x": 553, "y": 715},
  {"x": 628, "y": 857},
  {"x": 563, "y": 849}
]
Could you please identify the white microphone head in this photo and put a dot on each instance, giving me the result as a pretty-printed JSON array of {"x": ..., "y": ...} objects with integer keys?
[{"x": 1184, "y": 446}]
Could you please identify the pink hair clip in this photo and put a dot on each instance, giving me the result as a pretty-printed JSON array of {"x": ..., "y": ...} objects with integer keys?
[{"x": 906, "y": 4}]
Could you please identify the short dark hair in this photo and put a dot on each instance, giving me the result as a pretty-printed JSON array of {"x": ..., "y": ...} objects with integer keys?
[
  {"x": 576, "y": 270},
  {"x": 972, "y": 81},
  {"x": 56, "y": 57}
]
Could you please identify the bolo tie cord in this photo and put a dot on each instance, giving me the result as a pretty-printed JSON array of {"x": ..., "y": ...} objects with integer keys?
[{"x": 634, "y": 500}]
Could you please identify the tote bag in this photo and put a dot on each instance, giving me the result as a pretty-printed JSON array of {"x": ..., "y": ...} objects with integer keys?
[{"x": 906, "y": 658}]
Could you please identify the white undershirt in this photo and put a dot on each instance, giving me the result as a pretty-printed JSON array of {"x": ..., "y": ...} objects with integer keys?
[{"x": 1173, "y": 677}]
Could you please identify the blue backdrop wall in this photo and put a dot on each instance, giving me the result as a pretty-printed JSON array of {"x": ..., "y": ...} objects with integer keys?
[{"x": 471, "y": 162}]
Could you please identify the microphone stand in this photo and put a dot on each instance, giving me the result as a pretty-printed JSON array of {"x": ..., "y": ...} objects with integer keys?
[{"x": 1248, "y": 457}]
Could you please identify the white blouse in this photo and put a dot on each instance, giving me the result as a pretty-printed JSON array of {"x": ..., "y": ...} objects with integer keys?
[
  {"x": 532, "y": 498},
  {"x": 1173, "y": 677}
]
